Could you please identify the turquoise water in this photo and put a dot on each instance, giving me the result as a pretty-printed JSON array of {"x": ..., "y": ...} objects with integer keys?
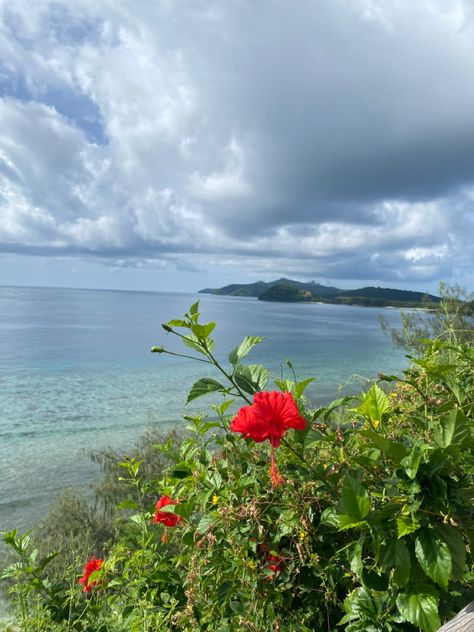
[{"x": 76, "y": 373}]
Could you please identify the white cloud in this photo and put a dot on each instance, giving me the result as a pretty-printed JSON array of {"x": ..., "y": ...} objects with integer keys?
[{"x": 335, "y": 140}]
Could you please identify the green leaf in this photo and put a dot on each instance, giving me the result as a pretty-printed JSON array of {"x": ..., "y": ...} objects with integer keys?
[
  {"x": 206, "y": 523},
  {"x": 452, "y": 429},
  {"x": 187, "y": 538},
  {"x": 301, "y": 387},
  {"x": 397, "y": 451},
  {"x": 203, "y": 331},
  {"x": 360, "y": 604},
  {"x": 457, "y": 390},
  {"x": 457, "y": 548},
  {"x": 181, "y": 472},
  {"x": 194, "y": 309},
  {"x": 373, "y": 405},
  {"x": 247, "y": 344},
  {"x": 128, "y": 504},
  {"x": 434, "y": 557},
  {"x": 419, "y": 606},
  {"x": 346, "y": 522},
  {"x": 251, "y": 378},
  {"x": 285, "y": 386},
  {"x": 337, "y": 403},
  {"x": 355, "y": 556},
  {"x": 395, "y": 555},
  {"x": 406, "y": 525},
  {"x": 140, "y": 520},
  {"x": 204, "y": 386},
  {"x": 330, "y": 516},
  {"x": 47, "y": 559},
  {"x": 183, "y": 509},
  {"x": 177, "y": 322},
  {"x": 193, "y": 342},
  {"x": 355, "y": 502},
  {"x": 374, "y": 581},
  {"x": 411, "y": 463}
]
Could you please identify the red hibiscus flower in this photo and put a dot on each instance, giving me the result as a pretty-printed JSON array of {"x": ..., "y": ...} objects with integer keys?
[
  {"x": 94, "y": 564},
  {"x": 166, "y": 518},
  {"x": 269, "y": 417},
  {"x": 275, "y": 564}
]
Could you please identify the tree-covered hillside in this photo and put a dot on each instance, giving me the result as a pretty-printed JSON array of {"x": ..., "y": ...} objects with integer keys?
[{"x": 288, "y": 290}]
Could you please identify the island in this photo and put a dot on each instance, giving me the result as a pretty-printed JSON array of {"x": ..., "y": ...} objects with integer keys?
[{"x": 291, "y": 291}]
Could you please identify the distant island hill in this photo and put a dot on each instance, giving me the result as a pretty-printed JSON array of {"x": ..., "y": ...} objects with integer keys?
[{"x": 288, "y": 291}]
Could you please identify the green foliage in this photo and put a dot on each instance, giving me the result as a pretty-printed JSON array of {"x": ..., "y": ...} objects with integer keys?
[
  {"x": 451, "y": 320},
  {"x": 371, "y": 529}
]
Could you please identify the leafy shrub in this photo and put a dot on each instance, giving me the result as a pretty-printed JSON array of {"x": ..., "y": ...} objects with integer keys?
[
  {"x": 451, "y": 320},
  {"x": 360, "y": 520}
]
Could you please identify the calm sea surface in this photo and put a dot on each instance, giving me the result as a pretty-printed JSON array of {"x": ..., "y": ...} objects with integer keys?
[{"x": 76, "y": 373}]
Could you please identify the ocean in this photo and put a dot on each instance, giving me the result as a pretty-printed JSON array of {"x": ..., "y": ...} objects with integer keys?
[{"x": 76, "y": 373}]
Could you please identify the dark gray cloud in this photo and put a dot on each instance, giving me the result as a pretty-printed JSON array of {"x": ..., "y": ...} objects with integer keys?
[{"x": 331, "y": 139}]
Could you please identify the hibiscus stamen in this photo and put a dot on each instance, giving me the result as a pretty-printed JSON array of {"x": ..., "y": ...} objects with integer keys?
[{"x": 274, "y": 473}]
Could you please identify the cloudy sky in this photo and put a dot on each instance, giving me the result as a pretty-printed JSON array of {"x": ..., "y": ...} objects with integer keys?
[{"x": 176, "y": 144}]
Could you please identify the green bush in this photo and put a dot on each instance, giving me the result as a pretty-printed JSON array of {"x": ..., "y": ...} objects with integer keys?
[{"x": 366, "y": 523}]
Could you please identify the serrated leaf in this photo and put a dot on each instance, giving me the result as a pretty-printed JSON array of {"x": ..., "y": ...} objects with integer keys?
[
  {"x": 203, "y": 331},
  {"x": 193, "y": 342},
  {"x": 406, "y": 525},
  {"x": 373, "y": 405},
  {"x": 330, "y": 516},
  {"x": 354, "y": 502},
  {"x": 204, "y": 386},
  {"x": 419, "y": 606},
  {"x": 247, "y": 344},
  {"x": 251, "y": 378},
  {"x": 360, "y": 604},
  {"x": 457, "y": 548},
  {"x": 411, "y": 463},
  {"x": 395, "y": 555},
  {"x": 433, "y": 554},
  {"x": 346, "y": 522},
  {"x": 205, "y": 523},
  {"x": 139, "y": 519}
]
